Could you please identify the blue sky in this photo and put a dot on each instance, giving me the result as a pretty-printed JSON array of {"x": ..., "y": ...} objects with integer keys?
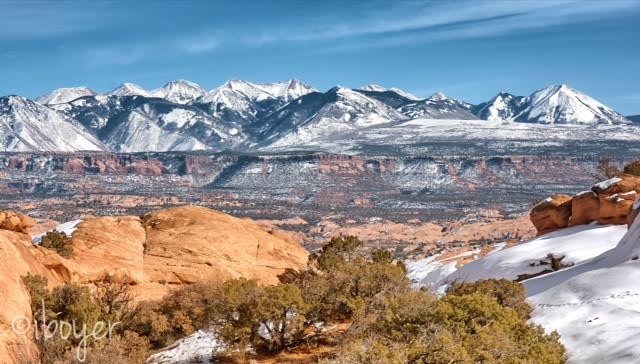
[{"x": 467, "y": 49}]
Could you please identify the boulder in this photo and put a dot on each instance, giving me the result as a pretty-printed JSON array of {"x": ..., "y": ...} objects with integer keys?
[
  {"x": 621, "y": 184},
  {"x": 551, "y": 214},
  {"x": 585, "y": 208},
  {"x": 615, "y": 209},
  {"x": 17, "y": 222},
  {"x": 608, "y": 202}
]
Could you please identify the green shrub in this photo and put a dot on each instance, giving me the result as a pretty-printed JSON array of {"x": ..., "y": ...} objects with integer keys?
[
  {"x": 59, "y": 242},
  {"x": 507, "y": 293},
  {"x": 468, "y": 328},
  {"x": 633, "y": 168}
]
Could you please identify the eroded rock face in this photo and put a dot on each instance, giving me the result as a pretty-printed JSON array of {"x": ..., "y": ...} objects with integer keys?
[
  {"x": 585, "y": 208},
  {"x": 551, "y": 214},
  {"x": 18, "y": 257},
  {"x": 608, "y": 202},
  {"x": 17, "y": 222},
  {"x": 155, "y": 253}
]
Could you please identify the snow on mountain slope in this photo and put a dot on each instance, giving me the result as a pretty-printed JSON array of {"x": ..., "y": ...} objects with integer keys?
[
  {"x": 243, "y": 103},
  {"x": 63, "y": 95},
  {"x": 287, "y": 91},
  {"x": 68, "y": 228},
  {"x": 560, "y": 104},
  {"x": 94, "y": 112},
  {"x": 159, "y": 125},
  {"x": 439, "y": 106},
  {"x": 180, "y": 91},
  {"x": 378, "y": 88},
  {"x": 28, "y": 126},
  {"x": 130, "y": 89},
  {"x": 503, "y": 107},
  {"x": 317, "y": 114}
]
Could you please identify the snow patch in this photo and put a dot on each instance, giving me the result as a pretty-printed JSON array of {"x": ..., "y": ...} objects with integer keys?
[{"x": 67, "y": 228}]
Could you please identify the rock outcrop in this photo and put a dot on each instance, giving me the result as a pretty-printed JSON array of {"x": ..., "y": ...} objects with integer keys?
[
  {"x": 154, "y": 253},
  {"x": 17, "y": 222},
  {"x": 608, "y": 202},
  {"x": 552, "y": 214}
]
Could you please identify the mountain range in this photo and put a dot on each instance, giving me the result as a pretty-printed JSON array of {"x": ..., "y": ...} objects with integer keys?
[{"x": 240, "y": 115}]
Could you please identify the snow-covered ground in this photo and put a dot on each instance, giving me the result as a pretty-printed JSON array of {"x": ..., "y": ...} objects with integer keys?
[
  {"x": 593, "y": 304},
  {"x": 196, "y": 348},
  {"x": 418, "y": 131},
  {"x": 576, "y": 244}
]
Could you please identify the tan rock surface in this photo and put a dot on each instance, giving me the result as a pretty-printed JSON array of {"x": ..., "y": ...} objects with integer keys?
[
  {"x": 615, "y": 209},
  {"x": 165, "y": 249},
  {"x": 195, "y": 244},
  {"x": 585, "y": 208},
  {"x": 14, "y": 221},
  {"x": 551, "y": 214},
  {"x": 18, "y": 257}
]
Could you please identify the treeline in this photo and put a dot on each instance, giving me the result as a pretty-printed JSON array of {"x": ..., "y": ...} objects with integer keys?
[{"x": 387, "y": 320}]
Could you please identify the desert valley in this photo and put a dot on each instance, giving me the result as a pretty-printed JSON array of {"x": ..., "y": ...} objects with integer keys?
[
  {"x": 319, "y": 182},
  {"x": 161, "y": 191}
]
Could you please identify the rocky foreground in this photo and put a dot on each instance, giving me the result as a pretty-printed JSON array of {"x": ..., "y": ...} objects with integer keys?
[{"x": 154, "y": 253}]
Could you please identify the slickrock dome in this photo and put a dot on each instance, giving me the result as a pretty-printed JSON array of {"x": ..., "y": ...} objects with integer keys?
[{"x": 155, "y": 253}]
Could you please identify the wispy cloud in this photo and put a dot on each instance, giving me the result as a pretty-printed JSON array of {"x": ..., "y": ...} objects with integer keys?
[
  {"x": 201, "y": 43},
  {"x": 45, "y": 19},
  {"x": 383, "y": 25}
]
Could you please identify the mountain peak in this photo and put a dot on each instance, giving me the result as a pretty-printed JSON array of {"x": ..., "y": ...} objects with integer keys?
[
  {"x": 130, "y": 89},
  {"x": 65, "y": 94},
  {"x": 438, "y": 96},
  {"x": 373, "y": 87},
  {"x": 561, "y": 104},
  {"x": 180, "y": 91}
]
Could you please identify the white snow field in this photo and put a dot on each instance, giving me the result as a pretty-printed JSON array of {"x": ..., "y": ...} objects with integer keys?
[
  {"x": 576, "y": 244},
  {"x": 594, "y": 304}
]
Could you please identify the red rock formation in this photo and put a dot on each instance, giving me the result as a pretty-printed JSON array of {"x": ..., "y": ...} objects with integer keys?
[
  {"x": 551, "y": 214},
  {"x": 157, "y": 253},
  {"x": 17, "y": 222},
  {"x": 608, "y": 202}
]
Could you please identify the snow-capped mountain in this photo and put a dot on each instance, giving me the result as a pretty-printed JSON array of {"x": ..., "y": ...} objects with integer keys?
[
  {"x": 180, "y": 91},
  {"x": 66, "y": 94},
  {"x": 158, "y": 125},
  {"x": 320, "y": 114},
  {"x": 555, "y": 104},
  {"x": 560, "y": 104},
  {"x": 93, "y": 112},
  {"x": 130, "y": 89},
  {"x": 378, "y": 88},
  {"x": 243, "y": 115},
  {"x": 244, "y": 102},
  {"x": 439, "y": 106},
  {"x": 503, "y": 107},
  {"x": 28, "y": 126}
]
